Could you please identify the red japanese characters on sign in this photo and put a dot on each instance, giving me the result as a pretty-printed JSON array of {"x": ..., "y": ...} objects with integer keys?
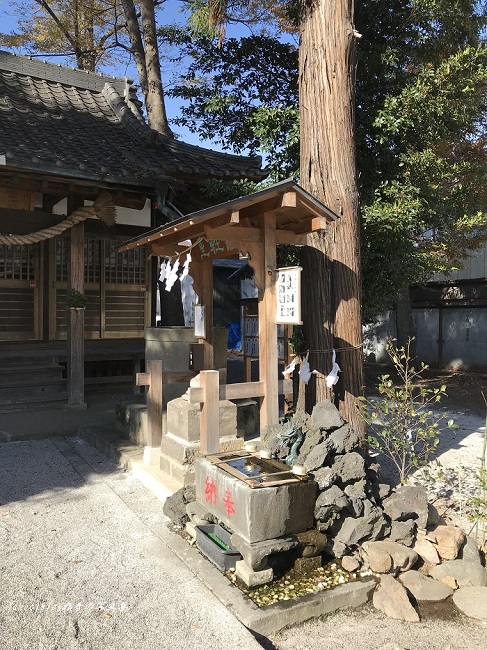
[
  {"x": 228, "y": 503},
  {"x": 210, "y": 490}
]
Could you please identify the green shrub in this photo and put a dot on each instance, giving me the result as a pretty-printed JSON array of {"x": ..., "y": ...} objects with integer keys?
[{"x": 402, "y": 424}]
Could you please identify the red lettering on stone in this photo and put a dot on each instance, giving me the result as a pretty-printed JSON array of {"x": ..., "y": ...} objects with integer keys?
[
  {"x": 228, "y": 503},
  {"x": 210, "y": 490}
]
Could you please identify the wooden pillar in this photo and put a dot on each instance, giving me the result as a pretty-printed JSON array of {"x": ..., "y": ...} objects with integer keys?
[
  {"x": 268, "y": 356},
  {"x": 154, "y": 379},
  {"x": 203, "y": 285},
  {"x": 76, "y": 320}
]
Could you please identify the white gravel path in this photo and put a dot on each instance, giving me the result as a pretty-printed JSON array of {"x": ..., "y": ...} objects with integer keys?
[{"x": 82, "y": 563}]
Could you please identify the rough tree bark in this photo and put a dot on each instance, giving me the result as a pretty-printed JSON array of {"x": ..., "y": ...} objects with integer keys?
[{"x": 331, "y": 261}]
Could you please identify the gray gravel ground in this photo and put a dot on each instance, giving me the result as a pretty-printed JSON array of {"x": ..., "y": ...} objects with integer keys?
[
  {"x": 83, "y": 563},
  {"x": 368, "y": 629}
]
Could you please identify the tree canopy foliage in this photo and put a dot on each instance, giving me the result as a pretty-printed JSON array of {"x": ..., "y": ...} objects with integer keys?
[{"x": 420, "y": 102}]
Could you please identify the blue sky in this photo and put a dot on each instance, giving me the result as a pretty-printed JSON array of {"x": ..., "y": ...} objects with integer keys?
[{"x": 170, "y": 13}]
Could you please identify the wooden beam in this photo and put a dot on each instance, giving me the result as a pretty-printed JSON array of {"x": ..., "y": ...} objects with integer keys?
[
  {"x": 242, "y": 390},
  {"x": 313, "y": 225},
  {"x": 176, "y": 376},
  {"x": 155, "y": 404},
  {"x": 290, "y": 237},
  {"x": 76, "y": 342},
  {"x": 289, "y": 199},
  {"x": 234, "y": 234},
  {"x": 24, "y": 222},
  {"x": 63, "y": 187}
]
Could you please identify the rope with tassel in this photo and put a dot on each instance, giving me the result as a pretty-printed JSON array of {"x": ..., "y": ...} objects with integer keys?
[{"x": 103, "y": 208}]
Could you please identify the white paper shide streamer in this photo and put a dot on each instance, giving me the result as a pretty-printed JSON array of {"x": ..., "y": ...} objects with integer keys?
[{"x": 172, "y": 275}]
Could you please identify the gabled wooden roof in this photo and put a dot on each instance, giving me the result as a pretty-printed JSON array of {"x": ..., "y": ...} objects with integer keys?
[
  {"x": 82, "y": 125},
  {"x": 297, "y": 214}
]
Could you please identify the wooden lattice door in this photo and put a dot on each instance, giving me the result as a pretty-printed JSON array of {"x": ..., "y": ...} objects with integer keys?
[{"x": 20, "y": 292}]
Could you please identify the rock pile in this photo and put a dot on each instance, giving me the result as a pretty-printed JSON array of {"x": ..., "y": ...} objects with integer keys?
[
  {"x": 396, "y": 534},
  {"x": 348, "y": 508}
]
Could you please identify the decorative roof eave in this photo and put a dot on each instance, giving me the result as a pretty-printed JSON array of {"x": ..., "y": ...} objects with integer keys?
[{"x": 297, "y": 212}]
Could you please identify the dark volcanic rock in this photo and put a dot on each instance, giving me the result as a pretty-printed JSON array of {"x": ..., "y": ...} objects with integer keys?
[
  {"x": 312, "y": 438},
  {"x": 371, "y": 526},
  {"x": 175, "y": 505},
  {"x": 344, "y": 440},
  {"x": 325, "y": 477},
  {"x": 408, "y": 502},
  {"x": 318, "y": 456},
  {"x": 330, "y": 501},
  {"x": 403, "y": 532},
  {"x": 325, "y": 416},
  {"x": 350, "y": 467}
]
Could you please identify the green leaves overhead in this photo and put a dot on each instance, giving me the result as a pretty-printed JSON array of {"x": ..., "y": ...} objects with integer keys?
[{"x": 242, "y": 94}]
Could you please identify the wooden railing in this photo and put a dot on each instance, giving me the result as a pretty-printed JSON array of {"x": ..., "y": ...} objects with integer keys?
[{"x": 209, "y": 393}]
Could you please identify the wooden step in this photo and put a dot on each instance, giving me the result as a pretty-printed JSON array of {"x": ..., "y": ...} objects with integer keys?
[
  {"x": 29, "y": 375},
  {"x": 30, "y": 403}
]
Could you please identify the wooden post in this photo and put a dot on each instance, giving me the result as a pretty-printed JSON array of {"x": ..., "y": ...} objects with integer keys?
[
  {"x": 268, "y": 355},
  {"x": 76, "y": 320},
  {"x": 203, "y": 285},
  {"x": 210, "y": 412},
  {"x": 153, "y": 378}
]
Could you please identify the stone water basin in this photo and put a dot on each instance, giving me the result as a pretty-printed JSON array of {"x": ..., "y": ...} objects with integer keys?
[{"x": 264, "y": 512}]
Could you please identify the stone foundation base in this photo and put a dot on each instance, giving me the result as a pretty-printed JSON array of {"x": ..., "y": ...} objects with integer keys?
[
  {"x": 180, "y": 446},
  {"x": 253, "y": 578}
]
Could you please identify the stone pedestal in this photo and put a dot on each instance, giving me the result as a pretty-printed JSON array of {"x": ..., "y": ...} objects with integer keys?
[
  {"x": 265, "y": 520},
  {"x": 180, "y": 446}
]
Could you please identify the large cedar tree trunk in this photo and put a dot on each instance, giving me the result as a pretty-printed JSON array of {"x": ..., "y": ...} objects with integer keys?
[{"x": 331, "y": 261}]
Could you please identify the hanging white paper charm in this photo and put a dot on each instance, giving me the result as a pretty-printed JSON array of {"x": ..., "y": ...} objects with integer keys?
[
  {"x": 163, "y": 271},
  {"x": 332, "y": 378},
  {"x": 290, "y": 369},
  {"x": 172, "y": 275}
]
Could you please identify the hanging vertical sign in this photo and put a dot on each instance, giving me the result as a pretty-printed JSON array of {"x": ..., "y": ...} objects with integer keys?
[
  {"x": 288, "y": 291},
  {"x": 199, "y": 322}
]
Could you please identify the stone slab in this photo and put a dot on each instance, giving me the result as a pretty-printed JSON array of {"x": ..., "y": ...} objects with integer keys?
[{"x": 253, "y": 578}]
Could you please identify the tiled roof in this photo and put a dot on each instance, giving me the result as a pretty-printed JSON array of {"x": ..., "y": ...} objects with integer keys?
[{"x": 85, "y": 125}]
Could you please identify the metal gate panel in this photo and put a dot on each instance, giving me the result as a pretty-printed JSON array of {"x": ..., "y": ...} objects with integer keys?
[
  {"x": 464, "y": 341},
  {"x": 426, "y": 323}
]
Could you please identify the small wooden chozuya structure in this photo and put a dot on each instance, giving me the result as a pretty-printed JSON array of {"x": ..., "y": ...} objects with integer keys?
[
  {"x": 249, "y": 226},
  {"x": 75, "y": 146}
]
